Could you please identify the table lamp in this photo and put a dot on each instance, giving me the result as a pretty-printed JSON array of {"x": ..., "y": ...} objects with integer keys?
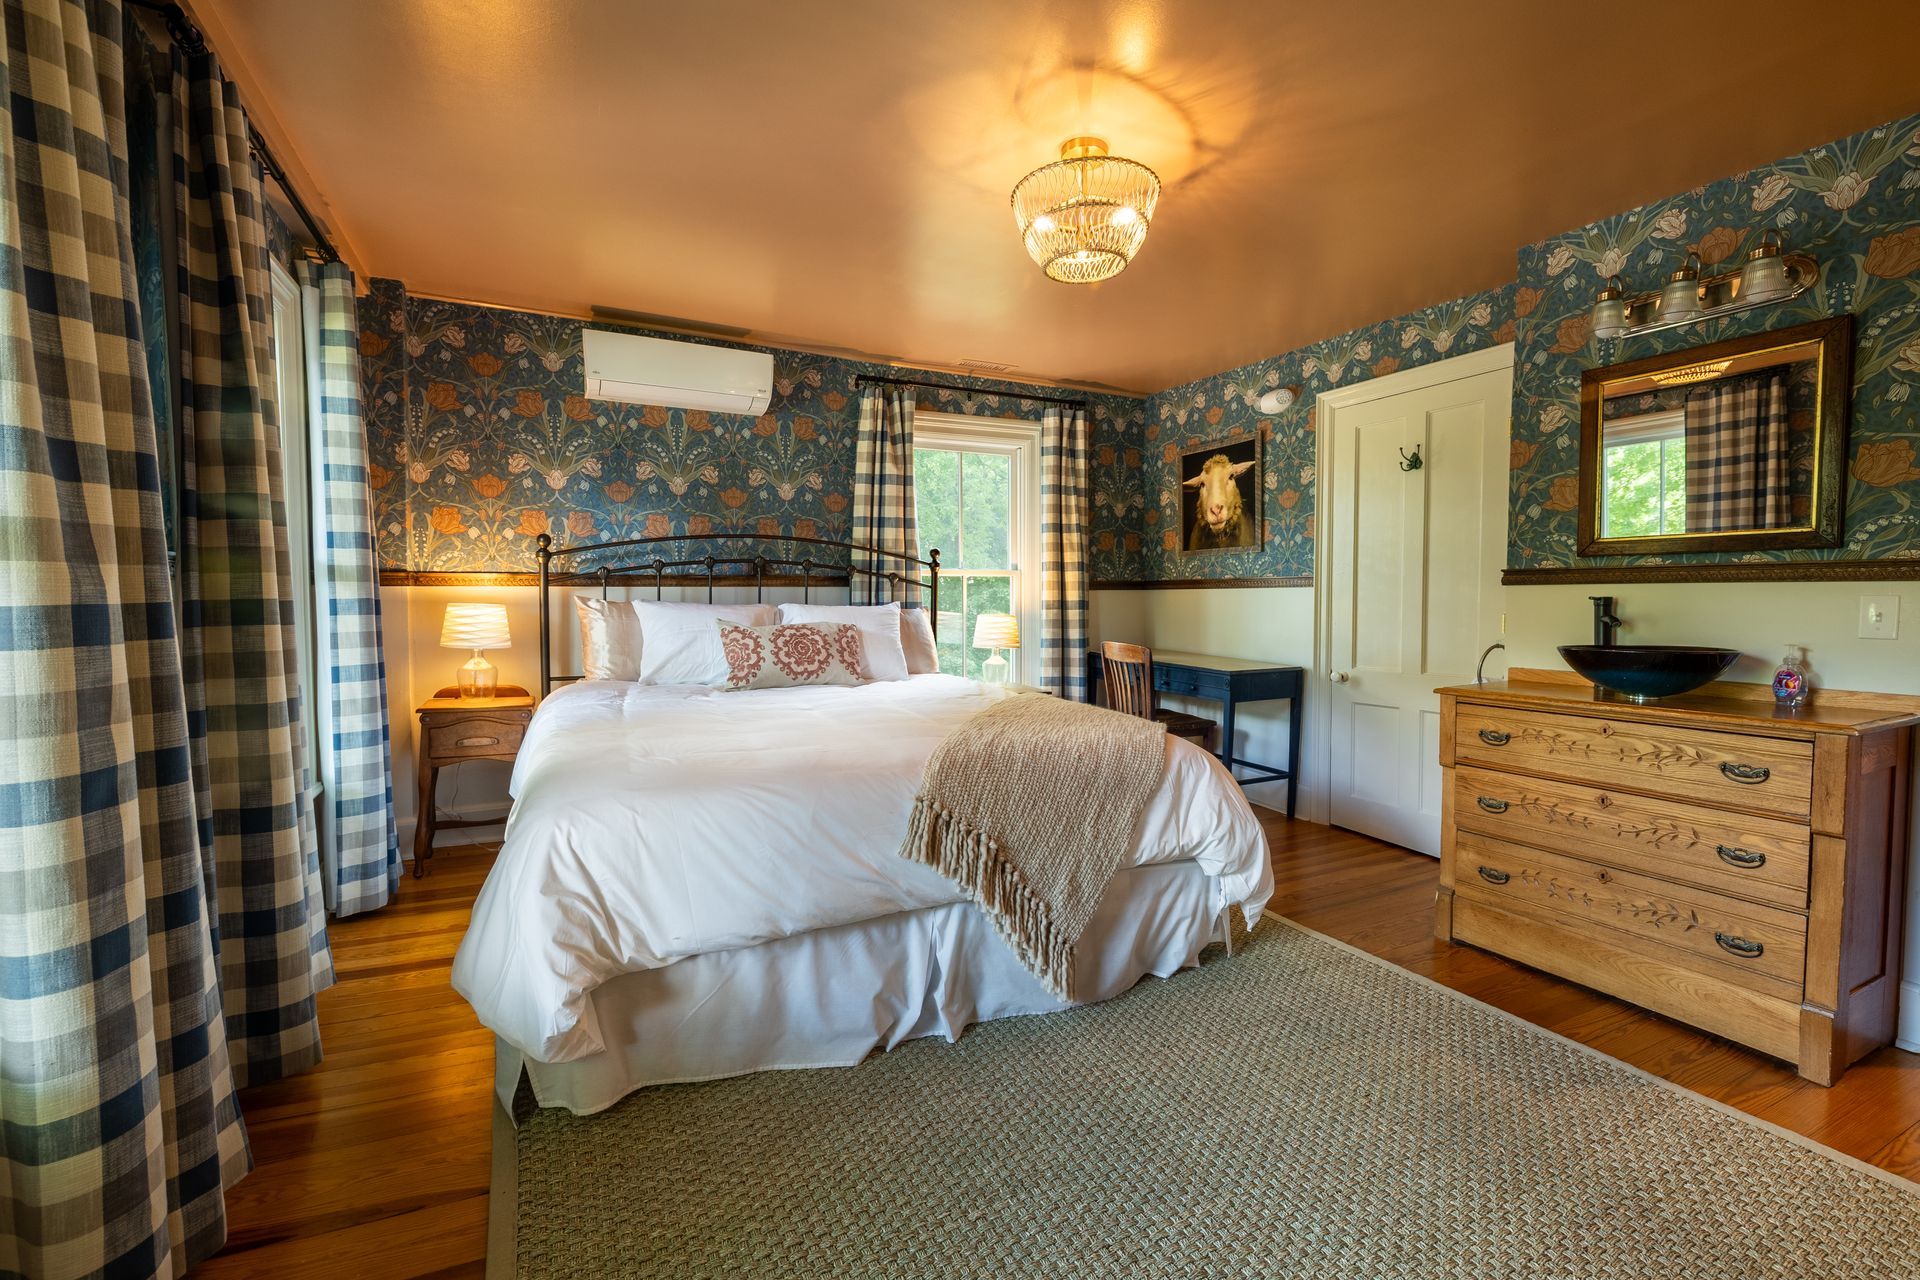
[
  {"x": 995, "y": 631},
  {"x": 478, "y": 627}
]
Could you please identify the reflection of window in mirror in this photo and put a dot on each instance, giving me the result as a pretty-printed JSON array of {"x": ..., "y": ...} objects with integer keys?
[{"x": 1646, "y": 475}]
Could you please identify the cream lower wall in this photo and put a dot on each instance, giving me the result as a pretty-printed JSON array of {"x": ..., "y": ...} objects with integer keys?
[
  {"x": 1273, "y": 624},
  {"x": 1759, "y": 619}
]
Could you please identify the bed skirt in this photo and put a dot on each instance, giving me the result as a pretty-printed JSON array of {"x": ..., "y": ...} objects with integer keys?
[{"x": 830, "y": 997}]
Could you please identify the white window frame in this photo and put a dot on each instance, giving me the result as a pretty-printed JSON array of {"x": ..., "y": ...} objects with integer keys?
[
  {"x": 296, "y": 482},
  {"x": 1646, "y": 428},
  {"x": 1019, "y": 440}
]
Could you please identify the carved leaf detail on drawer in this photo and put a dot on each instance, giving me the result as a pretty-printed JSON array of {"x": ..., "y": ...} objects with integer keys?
[
  {"x": 1653, "y": 912},
  {"x": 1657, "y": 756}
]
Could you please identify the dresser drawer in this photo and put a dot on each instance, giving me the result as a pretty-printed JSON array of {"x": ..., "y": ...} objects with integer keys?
[
  {"x": 1764, "y": 948},
  {"x": 1764, "y": 859},
  {"x": 1771, "y": 775},
  {"x": 473, "y": 736}
]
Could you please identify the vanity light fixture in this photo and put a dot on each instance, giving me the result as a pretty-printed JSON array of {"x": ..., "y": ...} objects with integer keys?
[{"x": 1768, "y": 275}]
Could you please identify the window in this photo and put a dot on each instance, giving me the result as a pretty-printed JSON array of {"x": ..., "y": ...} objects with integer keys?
[
  {"x": 296, "y": 475},
  {"x": 976, "y": 488},
  {"x": 1645, "y": 466}
]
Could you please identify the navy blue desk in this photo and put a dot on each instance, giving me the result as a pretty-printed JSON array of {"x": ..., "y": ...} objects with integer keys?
[{"x": 1229, "y": 682}]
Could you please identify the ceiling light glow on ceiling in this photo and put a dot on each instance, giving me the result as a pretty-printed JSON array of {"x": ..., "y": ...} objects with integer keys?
[{"x": 1084, "y": 216}]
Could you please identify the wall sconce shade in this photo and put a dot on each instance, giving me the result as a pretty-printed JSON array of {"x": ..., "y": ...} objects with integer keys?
[
  {"x": 1680, "y": 300},
  {"x": 1765, "y": 276},
  {"x": 1610, "y": 310}
]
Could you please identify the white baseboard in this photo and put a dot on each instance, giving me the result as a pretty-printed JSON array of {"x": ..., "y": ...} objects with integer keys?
[{"x": 1907, "y": 1035}]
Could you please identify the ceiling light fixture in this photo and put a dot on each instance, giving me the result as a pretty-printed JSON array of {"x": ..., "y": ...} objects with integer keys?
[{"x": 1084, "y": 216}]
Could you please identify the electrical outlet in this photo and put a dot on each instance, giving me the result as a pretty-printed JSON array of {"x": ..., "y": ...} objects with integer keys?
[{"x": 1879, "y": 617}]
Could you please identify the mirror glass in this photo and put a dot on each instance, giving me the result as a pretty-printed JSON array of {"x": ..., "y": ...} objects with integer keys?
[{"x": 1731, "y": 446}]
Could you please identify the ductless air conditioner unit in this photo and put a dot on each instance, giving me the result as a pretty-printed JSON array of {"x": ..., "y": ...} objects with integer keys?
[{"x": 679, "y": 375}]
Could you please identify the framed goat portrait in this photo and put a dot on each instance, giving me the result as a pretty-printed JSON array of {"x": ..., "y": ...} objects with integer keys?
[{"x": 1220, "y": 496}]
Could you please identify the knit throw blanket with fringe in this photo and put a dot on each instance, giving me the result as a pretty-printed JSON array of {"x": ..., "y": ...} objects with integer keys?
[{"x": 1029, "y": 807}]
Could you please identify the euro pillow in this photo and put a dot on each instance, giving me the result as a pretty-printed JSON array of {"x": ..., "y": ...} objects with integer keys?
[
  {"x": 789, "y": 654},
  {"x": 916, "y": 641},
  {"x": 609, "y": 639},
  {"x": 679, "y": 643},
  {"x": 879, "y": 625}
]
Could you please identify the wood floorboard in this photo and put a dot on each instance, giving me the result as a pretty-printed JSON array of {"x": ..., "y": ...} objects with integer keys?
[{"x": 375, "y": 1164}]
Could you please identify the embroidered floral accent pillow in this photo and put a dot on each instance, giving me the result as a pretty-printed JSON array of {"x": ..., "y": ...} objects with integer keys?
[{"x": 790, "y": 654}]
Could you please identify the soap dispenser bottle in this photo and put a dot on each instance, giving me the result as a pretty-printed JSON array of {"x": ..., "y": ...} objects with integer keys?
[{"x": 1790, "y": 687}]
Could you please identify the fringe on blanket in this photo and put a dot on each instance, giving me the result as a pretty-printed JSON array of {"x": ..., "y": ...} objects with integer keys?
[{"x": 973, "y": 859}]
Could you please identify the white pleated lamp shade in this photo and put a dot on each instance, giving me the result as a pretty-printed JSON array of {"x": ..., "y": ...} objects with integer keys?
[
  {"x": 996, "y": 631},
  {"x": 475, "y": 626}
]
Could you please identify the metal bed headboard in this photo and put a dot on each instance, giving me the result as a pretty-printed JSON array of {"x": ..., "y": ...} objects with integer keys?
[{"x": 705, "y": 565}]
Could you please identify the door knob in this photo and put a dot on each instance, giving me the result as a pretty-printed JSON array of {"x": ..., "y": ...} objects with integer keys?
[{"x": 1340, "y": 677}]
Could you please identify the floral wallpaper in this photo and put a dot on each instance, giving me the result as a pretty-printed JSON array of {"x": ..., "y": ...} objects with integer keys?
[
  {"x": 1855, "y": 206},
  {"x": 481, "y": 440},
  {"x": 1223, "y": 405}
]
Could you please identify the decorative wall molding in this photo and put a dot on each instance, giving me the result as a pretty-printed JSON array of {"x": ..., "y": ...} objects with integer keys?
[
  {"x": 1743, "y": 571},
  {"x": 1162, "y": 584}
]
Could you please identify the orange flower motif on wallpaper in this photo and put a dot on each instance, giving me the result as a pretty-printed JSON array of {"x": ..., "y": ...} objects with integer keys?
[
  {"x": 443, "y": 396},
  {"x": 489, "y": 486},
  {"x": 1385, "y": 365},
  {"x": 485, "y": 363},
  {"x": 619, "y": 491},
  {"x": 446, "y": 520},
  {"x": 577, "y": 408},
  {"x": 1717, "y": 245},
  {"x": 372, "y": 344},
  {"x": 766, "y": 425},
  {"x": 653, "y": 416},
  {"x": 1571, "y": 336},
  {"x": 835, "y": 502},
  {"x": 1288, "y": 499},
  {"x": 659, "y": 525},
  {"x": 1170, "y": 540},
  {"x": 1895, "y": 254},
  {"x": 532, "y": 523},
  {"x": 699, "y": 420},
  {"x": 1524, "y": 301},
  {"x": 1886, "y": 462},
  {"x": 580, "y": 524},
  {"x": 378, "y": 476},
  {"x": 1520, "y": 453},
  {"x": 529, "y": 404},
  {"x": 803, "y": 428},
  {"x": 767, "y": 527},
  {"x": 734, "y": 498},
  {"x": 1564, "y": 495},
  {"x": 834, "y": 401},
  {"x": 699, "y": 526},
  {"x": 805, "y": 529}
]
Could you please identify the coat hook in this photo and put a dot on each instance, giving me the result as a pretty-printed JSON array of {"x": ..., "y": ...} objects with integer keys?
[{"x": 1411, "y": 464}]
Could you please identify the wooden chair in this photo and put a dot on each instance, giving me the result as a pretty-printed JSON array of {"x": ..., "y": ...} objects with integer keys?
[{"x": 1126, "y": 673}]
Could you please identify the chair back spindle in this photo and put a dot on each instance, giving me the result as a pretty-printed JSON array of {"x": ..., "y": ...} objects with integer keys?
[{"x": 1126, "y": 673}]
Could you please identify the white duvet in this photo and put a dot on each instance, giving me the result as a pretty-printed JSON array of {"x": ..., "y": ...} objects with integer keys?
[{"x": 652, "y": 823}]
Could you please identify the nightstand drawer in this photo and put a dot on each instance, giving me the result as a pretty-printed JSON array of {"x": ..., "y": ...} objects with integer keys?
[{"x": 476, "y": 736}]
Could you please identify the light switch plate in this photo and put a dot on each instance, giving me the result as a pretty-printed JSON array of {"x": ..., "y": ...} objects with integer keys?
[{"x": 1879, "y": 617}]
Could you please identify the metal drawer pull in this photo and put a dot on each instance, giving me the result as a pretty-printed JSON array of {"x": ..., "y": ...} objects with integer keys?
[
  {"x": 1750, "y": 774},
  {"x": 478, "y": 742},
  {"x": 1491, "y": 805},
  {"x": 1745, "y": 948},
  {"x": 1494, "y": 877},
  {"x": 1734, "y": 856},
  {"x": 1495, "y": 738}
]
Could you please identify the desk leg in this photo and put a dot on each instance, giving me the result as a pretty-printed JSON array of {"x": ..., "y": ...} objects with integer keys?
[
  {"x": 423, "y": 825},
  {"x": 1226, "y": 732},
  {"x": 1293, "y": 751}
]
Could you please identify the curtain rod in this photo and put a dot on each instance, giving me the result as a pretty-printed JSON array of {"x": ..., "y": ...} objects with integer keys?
[
  {"x": 191, "y": 39},
  {"x": 1081, "y": 403}
]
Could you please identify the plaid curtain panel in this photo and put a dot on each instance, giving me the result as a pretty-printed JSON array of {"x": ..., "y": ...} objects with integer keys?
[
  {"x": 118, "y": 1126},
  {"x": 883, "y": 515},
  {"x": 359, "y": 846},
  {"x": 1738, "y": 475},
  {"x": 242, "y": 668},
  {"x": 1065, "y": 484}
]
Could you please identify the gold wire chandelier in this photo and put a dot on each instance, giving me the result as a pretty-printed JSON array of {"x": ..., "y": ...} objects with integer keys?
[{"x": 1084, "y": 216}]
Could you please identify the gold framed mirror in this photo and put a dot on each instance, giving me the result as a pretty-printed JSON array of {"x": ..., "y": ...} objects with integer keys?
[{"x": 1735, "y": 446}]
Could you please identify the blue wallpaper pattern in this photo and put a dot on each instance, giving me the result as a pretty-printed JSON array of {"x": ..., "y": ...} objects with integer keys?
[
  {"x": 1224, "y": 404},
  {"x": 481, "y": 440},
  {"x": 1855, "y": 206}
]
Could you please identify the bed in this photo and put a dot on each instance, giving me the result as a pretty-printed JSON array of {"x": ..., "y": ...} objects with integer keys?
[{"x": 697, "y": 883}]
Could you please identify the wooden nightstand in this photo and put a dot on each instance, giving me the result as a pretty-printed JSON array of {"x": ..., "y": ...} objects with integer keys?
[{"x": 454, "y": 729}]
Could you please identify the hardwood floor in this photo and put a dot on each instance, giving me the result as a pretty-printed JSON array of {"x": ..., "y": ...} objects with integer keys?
[{"x": 376, "y": 1163}]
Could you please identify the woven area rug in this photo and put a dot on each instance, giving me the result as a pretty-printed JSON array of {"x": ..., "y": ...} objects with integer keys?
[{"x": 1297, "y": 1110}]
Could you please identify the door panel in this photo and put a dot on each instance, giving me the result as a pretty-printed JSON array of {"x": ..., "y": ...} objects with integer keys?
[{"x": 1414, "y": 571}]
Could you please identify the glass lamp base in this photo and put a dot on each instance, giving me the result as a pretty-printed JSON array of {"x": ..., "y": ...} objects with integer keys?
[
  {"x": 994, "y": 670},
  {"x": 479, "y": 678}
]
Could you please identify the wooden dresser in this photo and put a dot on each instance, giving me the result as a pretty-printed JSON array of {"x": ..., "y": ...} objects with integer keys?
[{"x": 1706, "y": 857}]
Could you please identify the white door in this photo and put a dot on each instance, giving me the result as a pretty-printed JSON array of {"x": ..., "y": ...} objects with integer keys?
[{"x": 1413, "y": 579}]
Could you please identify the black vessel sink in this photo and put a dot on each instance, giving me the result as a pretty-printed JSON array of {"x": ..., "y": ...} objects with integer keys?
[{"x": 1644, "y": 672}]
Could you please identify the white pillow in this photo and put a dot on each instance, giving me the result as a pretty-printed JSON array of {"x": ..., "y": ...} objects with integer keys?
[
  {"x": 680, "y": 645},
  {"x": 916, "y": 638},
  {"x": 885, "y": 657},
  {"x": 609, "y": 639}
]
